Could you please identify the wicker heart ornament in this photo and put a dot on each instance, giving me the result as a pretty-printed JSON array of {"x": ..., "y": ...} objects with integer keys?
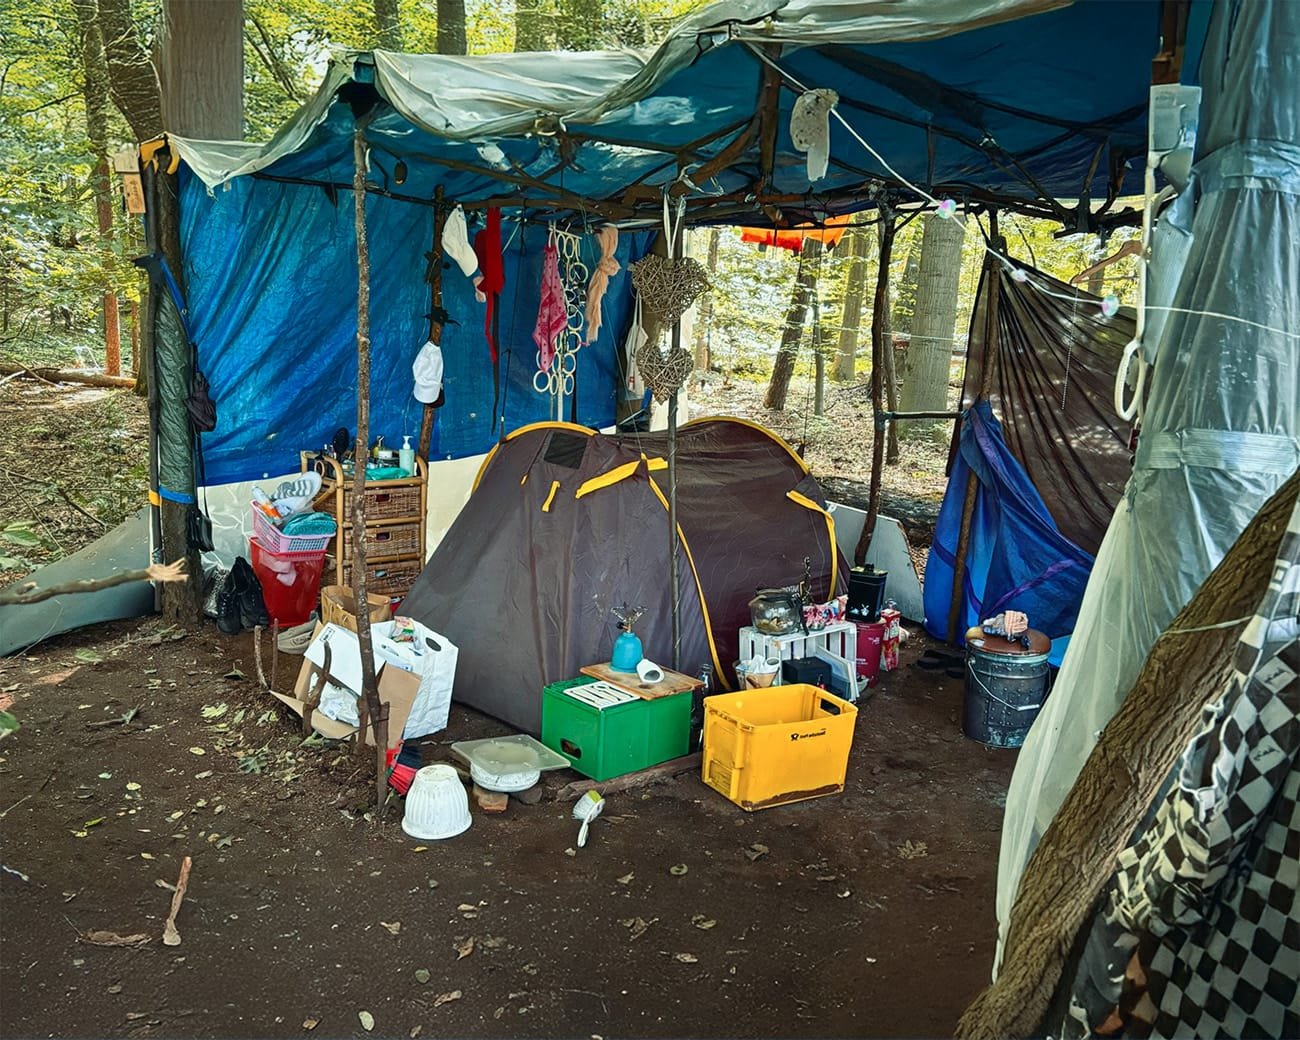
[
  {"x": 664, "y": 374},
  {"x": 669, "y": 287}
]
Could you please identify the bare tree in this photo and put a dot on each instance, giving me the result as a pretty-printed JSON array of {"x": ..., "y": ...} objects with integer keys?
[
  {"x": 857, "y": 241},
  {"x": 451, "y": 27},
  {"x": 388, "y": 25}
]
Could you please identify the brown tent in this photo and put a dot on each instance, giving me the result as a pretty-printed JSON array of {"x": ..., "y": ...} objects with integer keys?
[{"x": 565, "y": 524}]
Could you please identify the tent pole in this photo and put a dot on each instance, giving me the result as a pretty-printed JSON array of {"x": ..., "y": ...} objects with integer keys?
[
  {"x": 879, "y": 316},
  {"x": 369, "y": 685},
  {"x": 674, "y": 578},
  {"x": 988, "y": 360},
  {"x": 435, "y": 308}
]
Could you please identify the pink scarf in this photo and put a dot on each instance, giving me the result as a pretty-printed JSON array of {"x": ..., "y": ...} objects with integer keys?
[
  {"x": 606, "y": 268},
  {"x": 552, "y": 316}
]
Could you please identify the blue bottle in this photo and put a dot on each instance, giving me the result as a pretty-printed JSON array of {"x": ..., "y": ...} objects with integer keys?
[{"x": 627, "y": 652}]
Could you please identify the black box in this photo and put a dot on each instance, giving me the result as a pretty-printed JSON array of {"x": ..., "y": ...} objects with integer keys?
[{"x": 811, "y": 670}]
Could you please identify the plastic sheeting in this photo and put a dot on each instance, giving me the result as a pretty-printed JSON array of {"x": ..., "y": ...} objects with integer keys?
[
  {"x": 270, "y": 272},
  {"x": 1016, "y": 558},
  {"x": 1054, "y": 372},
  {"x": 1223, "y": 414}
]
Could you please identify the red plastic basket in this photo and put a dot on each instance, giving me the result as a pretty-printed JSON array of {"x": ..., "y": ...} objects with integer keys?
[
  {"x": 289, "y": 603},
  {"x": 278, "y": 542}
]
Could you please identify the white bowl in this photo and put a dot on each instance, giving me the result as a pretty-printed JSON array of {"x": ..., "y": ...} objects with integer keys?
[
  {"x": 513, "y": 780},
  {"x": 436, "y": 805}
]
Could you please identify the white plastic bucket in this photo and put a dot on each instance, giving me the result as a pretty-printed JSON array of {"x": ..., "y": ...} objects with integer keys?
[{"x": 436, "y": 806}]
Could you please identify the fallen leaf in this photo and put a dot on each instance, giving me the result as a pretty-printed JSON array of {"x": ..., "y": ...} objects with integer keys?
[
  {"x": 415, "y": 1031},
  {"x": 234, "y": 675},
  {"x": 421, "y": 848},
  {"x": 367, "y": 1020},
  {"x": 686, "y": 958},
  {"x": 146, "y": 855},
  {"x": 160, "y": 883},
  {"x": 464, "y": 949},
  {"x": 225, "y": 842},
  {"x": 133, "y": 786},
  {"x": 703, "y": 923},
  {"x": 913, "y": 850},
  {"x": 447, "y": 998},
  {"x": 54, "y": 678},
  {"x": 214, "y": 711},
  {"x": 393, "y": 926},
  {"x": 203, "y": 775},
  {"x": 638, "y": 926},
  {"x": 625, "y": 879},
  {"x": 467, "y": 908},
  {"x": 678, "y": 870},
  {"x": 756, "y": 851},
  {"x": 80, "y": 834},
  {"x": 69, "y": 896},
  {"x": 311, "y": 1022},
  {"x": 570, "y": 851},
  {"x": 106, "y": 776},
  {"x": 93, "y": 823},
  {"x": 197, "y": 751},
  {"x": 845, "y": 894},
  {"x": 115, "y": 988},
  {"x": 100, "y": 938},
  {"x": 175, "y": 816},
  {"x": 87, "y": 656},
  {"x": 421, "y": 975},
  {"x": 132, "y": 1016}
]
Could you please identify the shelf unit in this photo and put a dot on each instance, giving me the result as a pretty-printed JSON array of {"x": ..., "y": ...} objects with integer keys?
[{"x": 395, "y": 526}]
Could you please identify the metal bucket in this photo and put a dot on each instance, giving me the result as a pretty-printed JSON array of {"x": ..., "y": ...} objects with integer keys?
[
  {"x": 1004, "y": 693},
  {"x": 866, "y": 593}
]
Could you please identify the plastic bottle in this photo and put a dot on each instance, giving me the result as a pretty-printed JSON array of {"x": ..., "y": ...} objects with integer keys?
[
  {"x": 406, "y": 455},
  {"x": 705, "y": 689}
]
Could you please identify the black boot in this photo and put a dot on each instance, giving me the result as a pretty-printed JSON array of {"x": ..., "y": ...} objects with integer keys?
[
  {"x": 252, "y": 608},
  {"x": 228, "y": 606}
]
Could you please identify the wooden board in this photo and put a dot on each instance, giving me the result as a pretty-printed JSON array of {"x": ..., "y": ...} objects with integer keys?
[{"x": 672, "y": 682}]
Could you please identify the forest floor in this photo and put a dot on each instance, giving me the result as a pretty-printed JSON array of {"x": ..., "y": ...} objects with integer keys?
[{"x": 865, "y": 914}]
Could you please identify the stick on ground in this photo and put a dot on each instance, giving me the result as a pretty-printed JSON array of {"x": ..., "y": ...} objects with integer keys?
[{"x": 171, "y": 937}]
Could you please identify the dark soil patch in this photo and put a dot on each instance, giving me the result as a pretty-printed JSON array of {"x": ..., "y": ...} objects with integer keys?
[{"x": 871, "y": 915}]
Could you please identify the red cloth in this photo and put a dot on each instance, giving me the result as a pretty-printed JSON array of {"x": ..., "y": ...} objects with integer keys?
[
  {"x": 491, "y": 264},
  {"x": 552, "y": 316}
]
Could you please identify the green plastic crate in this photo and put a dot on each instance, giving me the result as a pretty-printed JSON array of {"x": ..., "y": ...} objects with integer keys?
[{"x": 605, "y": 743}]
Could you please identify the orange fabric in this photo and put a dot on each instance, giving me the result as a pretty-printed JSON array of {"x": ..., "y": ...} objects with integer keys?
[{"x": 794, "y": 238}]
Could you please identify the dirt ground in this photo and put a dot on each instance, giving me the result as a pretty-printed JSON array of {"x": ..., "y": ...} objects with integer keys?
[{"x": 871, "y": 913}]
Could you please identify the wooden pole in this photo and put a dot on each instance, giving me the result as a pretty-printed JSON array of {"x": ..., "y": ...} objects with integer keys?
[
  {"x": 369, "y": 684},
  {"x": 992, "y": 287},
  {"x": 435, "y": 308},
  {"x": 878, "y": 318},
  {"x": 1189, "y": 665},
  {"x": 674, "y": 577}
]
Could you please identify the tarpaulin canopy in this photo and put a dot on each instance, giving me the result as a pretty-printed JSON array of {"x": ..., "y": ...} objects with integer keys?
[{"x": 1017, "y": 100}]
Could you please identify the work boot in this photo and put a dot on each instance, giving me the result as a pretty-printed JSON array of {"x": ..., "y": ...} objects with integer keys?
[
  {"x": 252, "y": 608},
  {"x": 228, "y": 606}
]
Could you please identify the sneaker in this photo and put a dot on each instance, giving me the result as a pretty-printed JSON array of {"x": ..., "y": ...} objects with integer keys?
[
  {"x": 248, "y": 590},
  {"x": 296, "y": 640},
  {"x": 228, "y": 607}
]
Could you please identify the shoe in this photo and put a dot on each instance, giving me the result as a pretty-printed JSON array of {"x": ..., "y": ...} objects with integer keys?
[
  {"x": 228, "y": 607},
  {"x": 248, "y": 594},
  {"x": 296, "y": 640},
  {"x": 294, "y": 496}
]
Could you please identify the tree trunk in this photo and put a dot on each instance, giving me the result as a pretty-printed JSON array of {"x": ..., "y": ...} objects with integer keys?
[
  {"x": 201, "y": 68},
  {"x": 846, "y": 360},
  {"x": 95, "y": 90},
  {"x": 451, "y": 27},
  {"x": 133, "y": 83},
  {"x": 903, "y": 297},
  {"x": 58, "y": 375},
  {"x": 532, "y": 26},
  {"x": 388, "y": 26},
  {"x": 580, "y": 26},
  {"x": 805, "y": 284},
  {"x": 890, "y": 373},
  {"x": 704, "y": 319},
  {"x": 929, "y": 361},
  {"x": 1187, "y": 667},
  {"x": 133, "y": 309}
]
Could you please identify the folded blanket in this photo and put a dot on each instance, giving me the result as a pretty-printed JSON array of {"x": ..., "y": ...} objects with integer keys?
[{"x": 309, "y": 523}]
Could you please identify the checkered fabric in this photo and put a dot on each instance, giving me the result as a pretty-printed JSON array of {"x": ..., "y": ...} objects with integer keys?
[{"x": 1199, "y": 933}]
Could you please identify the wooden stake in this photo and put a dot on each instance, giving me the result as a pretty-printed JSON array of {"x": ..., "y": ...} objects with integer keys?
[
  {"x": 369, "y": 685},
  {"x": 435, "y": 308},
  {"x": 171, "y": 937},
  {"x": 879, "y": 312}
]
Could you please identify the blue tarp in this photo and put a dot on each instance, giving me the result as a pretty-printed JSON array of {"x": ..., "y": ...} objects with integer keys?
[
  {"x": 1016, "y": 558},
  {"x": 270, "y": 274}
]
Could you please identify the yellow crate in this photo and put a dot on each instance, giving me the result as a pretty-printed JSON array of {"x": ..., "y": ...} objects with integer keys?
[{"x": 778, "y": 745}]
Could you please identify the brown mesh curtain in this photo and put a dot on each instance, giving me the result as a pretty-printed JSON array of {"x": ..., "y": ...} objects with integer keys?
[{"x": 1052, "y": 388}]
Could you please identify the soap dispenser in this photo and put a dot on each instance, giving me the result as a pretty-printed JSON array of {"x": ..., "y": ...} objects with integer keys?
[{"x": 406, "y": 456}]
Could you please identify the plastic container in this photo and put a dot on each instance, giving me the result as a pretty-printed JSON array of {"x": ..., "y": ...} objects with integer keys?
[
  {"x": 290, "y": 582},
  {"x": 1004, "y": 693},
  {"x": 770, "y": 747},
  {"x": 279, "y": 542},
  {"x": 870, "y": 635},
  {"x": 866, "y": 593},
  {"x": 437, "y": 806},
  {"x": 606, "y": 742}
]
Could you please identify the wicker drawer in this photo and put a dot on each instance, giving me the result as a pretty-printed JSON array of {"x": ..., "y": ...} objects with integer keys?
[
  {"x": 384, "y": 502},
  {"x": 388, "y": 540},
  {"x": 393, "y": 578}
]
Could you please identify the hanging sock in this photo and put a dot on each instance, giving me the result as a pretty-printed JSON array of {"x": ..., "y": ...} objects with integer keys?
[
  {"x": 552, "y": 316},
  {"x": 810, "y": 129},
  {"x": 606, "y": 268},
  {"x": 455, "y": 242},
  {"x": 487, "y": 247}
]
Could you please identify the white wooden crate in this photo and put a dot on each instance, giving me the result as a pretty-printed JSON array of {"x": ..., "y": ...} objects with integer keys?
[{"x": 840, "y": 639}]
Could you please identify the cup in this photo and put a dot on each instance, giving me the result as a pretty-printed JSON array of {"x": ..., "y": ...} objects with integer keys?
[{"x": 648, "y": 671}]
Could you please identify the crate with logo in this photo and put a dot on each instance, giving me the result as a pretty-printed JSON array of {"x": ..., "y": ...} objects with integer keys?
[{"x": 778, "y": 745}]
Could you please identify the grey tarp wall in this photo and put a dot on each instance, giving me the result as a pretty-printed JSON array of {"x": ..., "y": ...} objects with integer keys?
[
  {"x": 1223, "y": 415},
  {"x": 566, "y": 524}
]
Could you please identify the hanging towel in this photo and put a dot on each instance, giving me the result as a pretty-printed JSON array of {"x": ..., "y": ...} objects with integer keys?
[
  {"x": 487, "y": 247},
  {"x": 606, "y": 268},
  {"x": 552, "y": 317},
  {"x": 455, "y": 242}
]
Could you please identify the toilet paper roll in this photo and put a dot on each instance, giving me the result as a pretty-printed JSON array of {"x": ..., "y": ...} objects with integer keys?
[{"x": 649, "y": 671}]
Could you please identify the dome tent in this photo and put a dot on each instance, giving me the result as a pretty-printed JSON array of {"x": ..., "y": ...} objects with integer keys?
[{"x": 565, "y": 524}]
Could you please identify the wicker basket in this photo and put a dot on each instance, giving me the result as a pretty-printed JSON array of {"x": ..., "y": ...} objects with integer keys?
[
  {"x": 386, "y": 541},
  {"x": 338, "y": 604}
]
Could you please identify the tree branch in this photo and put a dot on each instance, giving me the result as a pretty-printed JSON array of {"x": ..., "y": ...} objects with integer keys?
[{"x": 29, "y": 593}]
